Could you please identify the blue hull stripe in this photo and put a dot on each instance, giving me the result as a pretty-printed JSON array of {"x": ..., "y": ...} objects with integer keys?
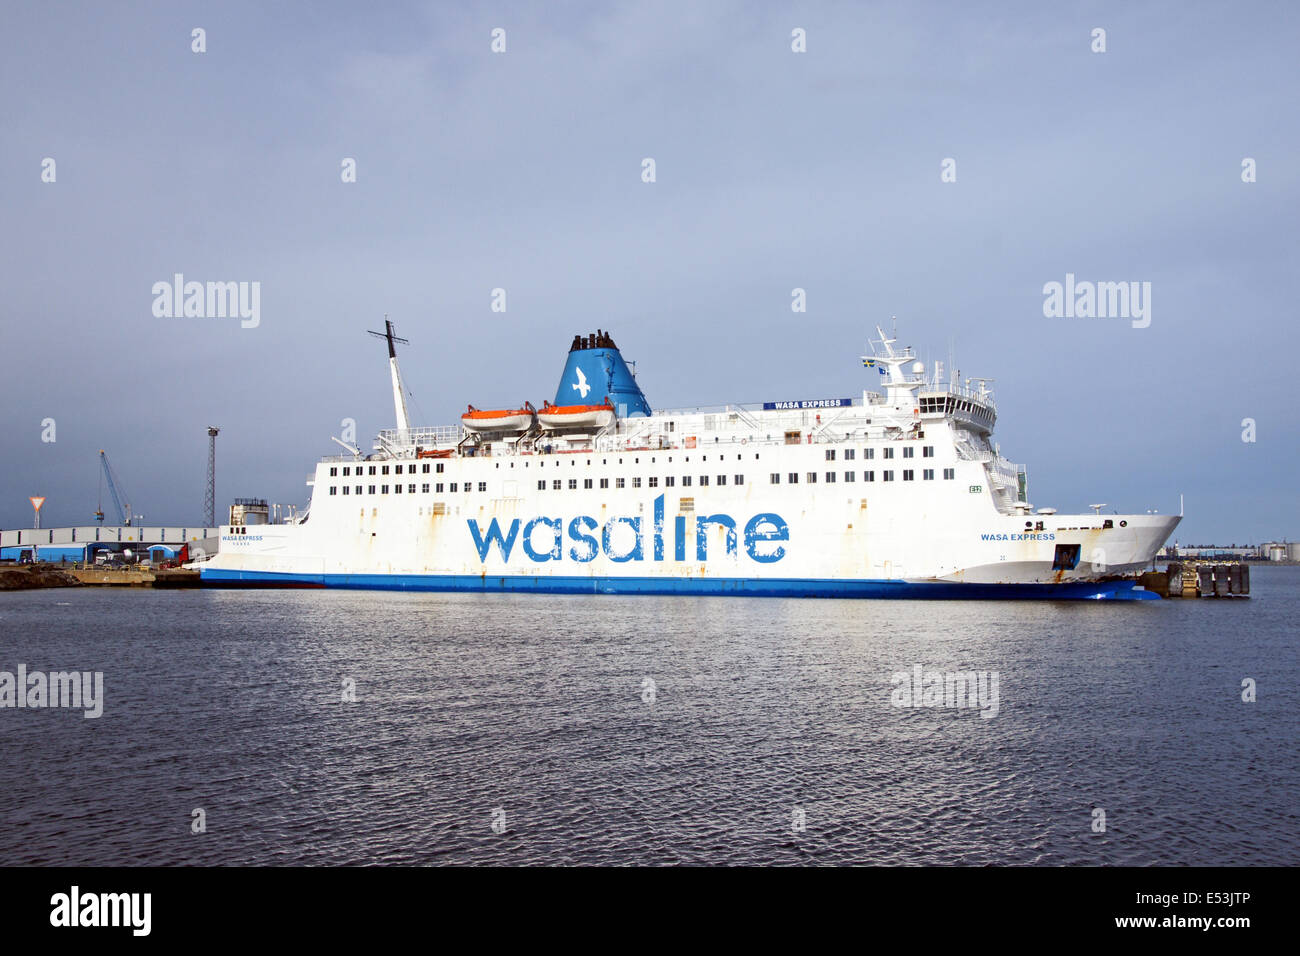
[{"x": 757, "y": 587}]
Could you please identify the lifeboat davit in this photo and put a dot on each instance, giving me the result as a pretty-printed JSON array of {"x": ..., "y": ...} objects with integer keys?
[
  {"x": 505, "y": 420},
  {"x": 576, "y": 416}
]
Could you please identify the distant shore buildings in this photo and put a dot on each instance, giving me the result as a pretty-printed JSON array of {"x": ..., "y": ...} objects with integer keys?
[{"x": 1278, "y": 551}]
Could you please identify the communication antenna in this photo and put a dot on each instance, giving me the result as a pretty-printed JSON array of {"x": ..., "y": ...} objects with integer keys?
[{"x": 210, "y": 498}]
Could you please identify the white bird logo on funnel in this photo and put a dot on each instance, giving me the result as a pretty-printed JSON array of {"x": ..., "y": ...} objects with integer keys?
[{"x": 582, "y": 388}]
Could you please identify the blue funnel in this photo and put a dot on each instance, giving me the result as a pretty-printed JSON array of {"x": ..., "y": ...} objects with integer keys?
[{"x": 596, "y": 371}]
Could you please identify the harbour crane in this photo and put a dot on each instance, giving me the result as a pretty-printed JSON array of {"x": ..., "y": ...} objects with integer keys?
[{"x": 108, "y": 476}]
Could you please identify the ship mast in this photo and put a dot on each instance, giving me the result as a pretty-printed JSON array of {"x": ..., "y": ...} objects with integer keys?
[
  {"x": 399, "y": 393},
  {"x": 900, "y": 390}
]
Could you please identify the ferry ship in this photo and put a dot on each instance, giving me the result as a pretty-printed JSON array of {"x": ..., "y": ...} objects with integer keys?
[{"x": 898, "y": 493}]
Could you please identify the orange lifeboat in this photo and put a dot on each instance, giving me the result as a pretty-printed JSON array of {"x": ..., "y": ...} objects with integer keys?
[
  {"x": 505, "y": 420},
  {"x": 576, "y": 416}
]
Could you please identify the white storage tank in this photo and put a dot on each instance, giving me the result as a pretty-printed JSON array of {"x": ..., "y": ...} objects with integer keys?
[{"x": 1293, "y": 551}]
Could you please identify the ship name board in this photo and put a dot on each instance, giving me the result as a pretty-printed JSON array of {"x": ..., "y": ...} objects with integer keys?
[{"x": 811, "y": 403}]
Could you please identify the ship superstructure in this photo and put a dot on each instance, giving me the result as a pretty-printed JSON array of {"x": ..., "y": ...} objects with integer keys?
[{"x": 900, "y": 492}]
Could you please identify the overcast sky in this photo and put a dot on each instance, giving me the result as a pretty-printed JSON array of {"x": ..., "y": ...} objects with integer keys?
[{"x": 522, "y": 170}]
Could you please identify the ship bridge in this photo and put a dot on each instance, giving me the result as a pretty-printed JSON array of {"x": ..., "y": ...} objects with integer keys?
[
  {"x": 908, "y": 390},
  {"x": 972, "y": 407}
]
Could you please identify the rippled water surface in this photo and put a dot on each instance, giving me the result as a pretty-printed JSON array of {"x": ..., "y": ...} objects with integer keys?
[{"x": 536, "y": 707}]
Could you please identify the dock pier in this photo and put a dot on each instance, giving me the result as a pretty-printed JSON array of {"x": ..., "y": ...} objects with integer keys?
[{"x": 1207, "y": 579}]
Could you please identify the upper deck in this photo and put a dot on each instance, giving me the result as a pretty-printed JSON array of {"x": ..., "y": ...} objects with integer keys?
[{"x": 908, "y": 403}]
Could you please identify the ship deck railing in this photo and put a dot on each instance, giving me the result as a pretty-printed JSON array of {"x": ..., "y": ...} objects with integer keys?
[
  {"x": 437, "y": 436},
  {"x": 731, "y": 425},
  {"x": 736, "y": 441},
  {"x": 952, "y": 389}
]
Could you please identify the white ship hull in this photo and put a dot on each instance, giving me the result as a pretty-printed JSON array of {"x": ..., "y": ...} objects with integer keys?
[{"x": 881, "y": 500}]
